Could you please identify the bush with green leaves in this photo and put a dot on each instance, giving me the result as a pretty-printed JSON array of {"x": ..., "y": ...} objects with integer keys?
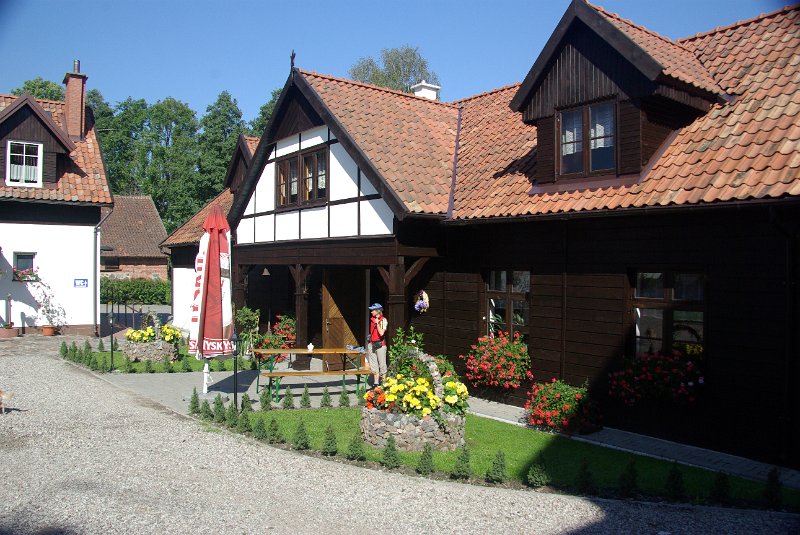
[
  {"x": 274, "y": 435},
  {"x": 461, "y": 468},
  {"x": 391, "y": 457},
  {"x": 537, "y": 475},
  {"x": 219, "y": 365},
  {"x": 205, "y": 411},
  {"x": 628, "y": 481},
  {"x": 186, "y": 365},
  {"x": 246, "y": 405},
  {"x": 93, "y": 365},
  {"x": 87, "y": 347},
  {"x": 301, "y": 440},
  {"x": 265, "y": 401},
  {"x": 360, "y": 391},
  {"x": 325, "y": 402},
  {"x": 556, "y": 406},
  {"x": 344, "y": 398},
  {"x": 194, "y": 403},
  {"x": 73, "y": 352},
  {"x": 288, "y": 399},
  {"x": 231, "y": 416},
  {"x": 673, "y": 487},
  {"x": 585, "y": 482},
  {"x": 101, "y": 347},
  {"x": 425, "y": 465},
  {"x": 259, "y": 429},
  {"x": 402, "y": 360},
  {"x": 148, "y": 366},
  {"x": 720, "y": 492},
  {"x": 773, "y": 490},
  {"x": 497, "y": 471},
  {"x": 356, "y": 450},
  {"x": 305, "y": 398},
  {"x": 219, "y": 409},
  {"x": 329, "y": 446},
  {"x": 168, "y": 364},
  {"x": 140, "y": 291},
  {"x": 244, "y": 425},
  {"x": 64, "y": 350}
]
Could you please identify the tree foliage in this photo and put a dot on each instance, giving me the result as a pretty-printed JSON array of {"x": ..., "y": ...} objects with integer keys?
[
  {"x": 259, "y": 124},
  {"x": 221, "y": 126},
  {"x": 398, "y": 68},
  {"x": 40, "y": 88}
]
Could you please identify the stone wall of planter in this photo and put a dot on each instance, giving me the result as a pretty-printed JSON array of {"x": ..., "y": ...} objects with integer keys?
[
  {"x": 410, "y": 432},
  {"x": 156, "y": 351}
]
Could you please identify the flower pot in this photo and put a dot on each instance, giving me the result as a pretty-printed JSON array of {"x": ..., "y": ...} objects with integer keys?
[
  {"x": 8, "y": 332},
  {"x": 49, "y": 330}
]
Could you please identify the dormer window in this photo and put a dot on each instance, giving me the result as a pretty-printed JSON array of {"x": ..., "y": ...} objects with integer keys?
[
  {"x": 24, "y": 164},
  {"x": 586, "y": 151}
]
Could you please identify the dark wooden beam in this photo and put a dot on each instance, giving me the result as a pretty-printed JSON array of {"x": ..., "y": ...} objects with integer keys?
[
  {"x": 299, "y": 274},
  {"x": 414, "y": 270}
]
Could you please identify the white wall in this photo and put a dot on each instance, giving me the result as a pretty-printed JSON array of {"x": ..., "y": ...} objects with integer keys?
[
  {"x": 64, "y": 254},
  {"x": 182, "y": 285},
  {"x": 376, "y": 217}
]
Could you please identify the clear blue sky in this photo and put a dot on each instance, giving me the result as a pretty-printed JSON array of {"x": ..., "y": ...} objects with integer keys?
[{"x": 193, "y": 50}]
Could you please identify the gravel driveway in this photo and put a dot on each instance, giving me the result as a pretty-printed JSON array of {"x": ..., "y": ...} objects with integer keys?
[{"x": 78, "y": 455}]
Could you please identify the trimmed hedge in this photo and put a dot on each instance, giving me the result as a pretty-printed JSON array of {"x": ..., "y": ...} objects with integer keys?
[{"x": 140, "y": 291}]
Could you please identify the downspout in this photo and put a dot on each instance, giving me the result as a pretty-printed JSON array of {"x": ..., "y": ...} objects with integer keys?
[{"x": 97, "y": 273}]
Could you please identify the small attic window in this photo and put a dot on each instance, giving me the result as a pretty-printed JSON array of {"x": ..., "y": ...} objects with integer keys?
[
  {"x": 24, "y": 164},
  {"x": 584, "y": 151}
]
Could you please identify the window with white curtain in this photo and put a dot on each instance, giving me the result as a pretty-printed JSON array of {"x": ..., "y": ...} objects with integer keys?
[
  {"x": 587, "y": 150},
  {"x": 24, "y": 164}
]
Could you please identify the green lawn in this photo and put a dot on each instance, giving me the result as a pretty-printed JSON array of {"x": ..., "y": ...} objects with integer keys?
[
  {"x": 177, "y": 366},
  {"x": 522, "y": 446}
]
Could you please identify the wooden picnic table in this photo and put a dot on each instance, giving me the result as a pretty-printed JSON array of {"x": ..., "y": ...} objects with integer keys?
[{"x": 355, "y": 358}]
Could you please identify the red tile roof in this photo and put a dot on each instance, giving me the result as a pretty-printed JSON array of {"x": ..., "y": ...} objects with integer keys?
[
  {"x": 134, "y": 228},
  {"x": 190, "y": 232},
  {"x": 83, "y": 182},
  {"x": 743, "y": 150},
  {"x": 410, "y": 140},
  {"x": 252, "y": 143}
]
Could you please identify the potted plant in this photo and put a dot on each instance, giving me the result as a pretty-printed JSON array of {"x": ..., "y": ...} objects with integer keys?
[
  {"x": 51, "y": 314},
  {"x": 7, "y": 330}
]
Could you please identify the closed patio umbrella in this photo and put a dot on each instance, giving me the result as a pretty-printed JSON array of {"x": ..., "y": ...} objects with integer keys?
[{"x": 211, "y": 319}]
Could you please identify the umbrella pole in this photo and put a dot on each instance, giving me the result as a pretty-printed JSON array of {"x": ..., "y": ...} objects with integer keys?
[{"x": 205, "y": 377}]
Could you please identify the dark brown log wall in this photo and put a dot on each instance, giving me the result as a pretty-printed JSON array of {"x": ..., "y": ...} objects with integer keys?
[{"x": 25, "y": 126}]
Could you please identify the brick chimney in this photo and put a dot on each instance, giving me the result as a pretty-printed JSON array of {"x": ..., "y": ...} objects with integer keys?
[
  {"x": 75, "y": 101},
  {"x": 426, "y": 90}
]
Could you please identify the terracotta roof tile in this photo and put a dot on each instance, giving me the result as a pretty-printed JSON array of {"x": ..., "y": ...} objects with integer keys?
[
  {"x": 84, "y": 181},
  {"x": 252, "y": 143},
  {"x": 134, "y": 228},
  {"x": 409, "y": 139},
  {"x": 191, "y": 231},
  {"x": 746, "y": 149}
]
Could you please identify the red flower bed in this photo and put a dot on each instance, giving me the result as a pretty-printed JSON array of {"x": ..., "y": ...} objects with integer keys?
[
  {"x": 657, "y": 376},
  {"x": 557, "y": 406},
  {"x": 498, "y": 361}
]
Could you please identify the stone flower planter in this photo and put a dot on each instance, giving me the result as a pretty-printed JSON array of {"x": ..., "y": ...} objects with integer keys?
[
  {"x": 9, "y": 332},
  {"x": 155, "y": 351},
  {"x": 411, "y": 432}
]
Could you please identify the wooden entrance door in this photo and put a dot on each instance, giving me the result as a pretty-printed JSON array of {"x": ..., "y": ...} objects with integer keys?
[{"x": 342, "y": 307}]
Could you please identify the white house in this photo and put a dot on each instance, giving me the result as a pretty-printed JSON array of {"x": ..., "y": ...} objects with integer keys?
[{"x": 52, "y": 187}]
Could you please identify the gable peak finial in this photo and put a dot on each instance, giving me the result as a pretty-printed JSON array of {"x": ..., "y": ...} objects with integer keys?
[{"x": 291, "y": 59}]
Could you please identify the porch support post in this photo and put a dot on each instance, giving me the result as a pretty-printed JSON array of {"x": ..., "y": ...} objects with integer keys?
[
  {"x": 239, "y": 279},
  {"x": 394, "y": 277},
  {"x": 299, "y": 274}
]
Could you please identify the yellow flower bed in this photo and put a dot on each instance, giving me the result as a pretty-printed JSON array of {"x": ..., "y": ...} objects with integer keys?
[
  {"x": 169, "y": 334},
  {"x": 417, "y": 396}
]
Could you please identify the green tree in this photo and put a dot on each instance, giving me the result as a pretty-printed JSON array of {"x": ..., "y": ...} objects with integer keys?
[
  {"x": 101, "y": 110},
  {"x": 259, "y": 124},
  {"x": 124, "y": 146},
  {"x": 40, "y": 88},
  {"x": 221, "y": 126},
  {"x": 398, "y": 68}
]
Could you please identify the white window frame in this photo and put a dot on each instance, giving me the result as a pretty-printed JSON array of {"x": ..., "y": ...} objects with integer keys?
[{"x": 39, "y": 165}]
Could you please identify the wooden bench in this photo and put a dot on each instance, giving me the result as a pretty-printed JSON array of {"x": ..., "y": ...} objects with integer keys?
[{"x": 351, "y": 357}]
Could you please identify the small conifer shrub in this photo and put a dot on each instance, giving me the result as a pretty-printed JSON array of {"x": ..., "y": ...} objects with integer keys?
[
  {"x": 300, "y": 440},
  {"x": 305, "y": 399},
  {"x": 537, "y": 476},
  {"x": 194, "y": 403},
  {"x": 461, "y": 470},
  {"x": 231, "y": 416},
  {"x": 274, "y": 435},
  {"x": 344, "y": 398},
  {"x": 148, "y": 366},
  {"x": 265, "y": 401},
  {"x": 356, "y": 450},
  {"x": 129, "y": 364},
  {"x": 73, "y": 352},
  {"x": 391, "y": 458},
  {"x": 288, "y": 399},
  {"x": 87, "y": 347},
  {"x": 360, "y": 391},
  {"x": 102, "y": 363},
  {"x": 720, "y": 489},
  {"x": 246, "y": 405},
  {"x": 585, "y": 480},
  {"x": 205, "y": 411},
  {"x": 168, "y": 364},
  {"x": 244, "y": 425},
  {"x": 219, "y": 365},
  {"x": 628, "y": 484},
  {"x": 63, "y": 350},
  {"x": 325, "y": 402},
  {"x": 674, "y": 488},
  {"x": 425, "y": 464},
  {"x": 329, "y": 446},
  {"x": 219, "y": 409},
  {"x": 773, "y": 489},
  {"x": 114, "y": 344},
  {"x": 101, "y": 347},
  {"x": 497, "y": 472},
  {"x": 79, "y": 355},
  {"x": 186, "y": 365},
  {"x": 259, "y": 429}
]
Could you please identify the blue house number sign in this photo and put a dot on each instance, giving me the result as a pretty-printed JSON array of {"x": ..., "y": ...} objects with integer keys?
[{"x": 81, "y": 283}]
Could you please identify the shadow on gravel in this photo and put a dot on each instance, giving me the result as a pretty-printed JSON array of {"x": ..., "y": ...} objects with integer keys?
[{"x": 12, "y": 529}]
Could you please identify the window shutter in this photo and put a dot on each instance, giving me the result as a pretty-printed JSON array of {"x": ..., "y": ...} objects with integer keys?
[
  {"x": 546, "y": 150},
  {"x": 630, "y": 138}
]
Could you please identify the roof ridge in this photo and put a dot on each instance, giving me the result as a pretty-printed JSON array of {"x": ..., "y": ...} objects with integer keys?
[
  {"x": 639, "y": 27},
  {"x": 375, "y": 87},
  {"x": 718, "y": 29},
  {"x": 34, "y": 98},
  {"x": 487, "y": 93}
]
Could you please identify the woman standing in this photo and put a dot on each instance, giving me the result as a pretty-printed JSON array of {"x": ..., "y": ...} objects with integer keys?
[{"x": 376, "y": 346}]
